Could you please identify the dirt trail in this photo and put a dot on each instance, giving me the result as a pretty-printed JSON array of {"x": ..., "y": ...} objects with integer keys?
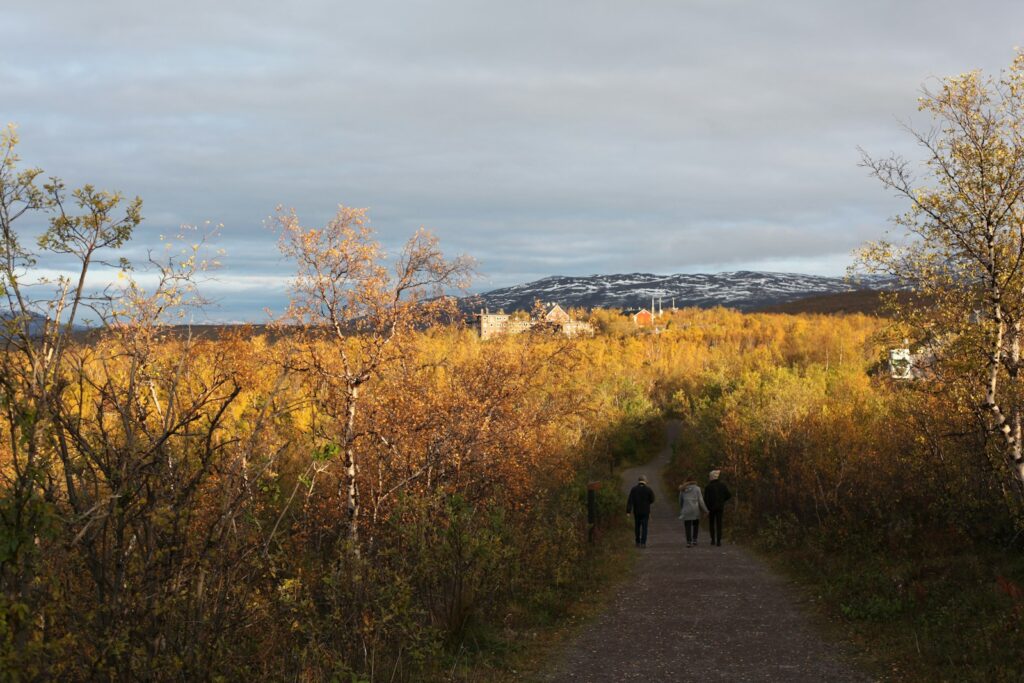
[{"x": 704, "y": 613}]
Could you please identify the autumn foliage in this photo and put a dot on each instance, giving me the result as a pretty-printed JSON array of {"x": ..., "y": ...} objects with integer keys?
[
  {"x": 357, "y": 493},
  {"x": 369, "y": 491}
]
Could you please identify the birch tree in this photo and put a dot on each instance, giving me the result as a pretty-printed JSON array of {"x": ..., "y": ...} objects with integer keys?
[
  {"x": 350, "y": 305},
  {"x": 961, "y": 245},
  {"x": 121, "y": 491}
]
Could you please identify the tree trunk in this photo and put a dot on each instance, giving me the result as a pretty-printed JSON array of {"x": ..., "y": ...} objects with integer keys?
[{"x": 351, "y": 468}]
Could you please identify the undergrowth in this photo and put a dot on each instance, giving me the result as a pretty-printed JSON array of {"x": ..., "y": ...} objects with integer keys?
[{"x": 919, "y": 612}]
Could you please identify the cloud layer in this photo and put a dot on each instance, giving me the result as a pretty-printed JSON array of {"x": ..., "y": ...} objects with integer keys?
[{"x": 541, "y": 138}]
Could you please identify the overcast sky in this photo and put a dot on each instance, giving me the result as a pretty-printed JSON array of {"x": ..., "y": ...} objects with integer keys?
[{"x": 542, "y": 138}]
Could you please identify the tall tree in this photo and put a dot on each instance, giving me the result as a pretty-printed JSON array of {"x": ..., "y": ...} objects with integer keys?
[
  {"x": 961, "y": 245},
  {"x": 345, "y": 295},
  {"x": 120, "y": 492},
  {"x": 36, "y": 320}
]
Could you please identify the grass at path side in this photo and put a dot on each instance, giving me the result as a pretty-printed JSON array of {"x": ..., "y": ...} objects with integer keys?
[{"x": 536, "y": 634}]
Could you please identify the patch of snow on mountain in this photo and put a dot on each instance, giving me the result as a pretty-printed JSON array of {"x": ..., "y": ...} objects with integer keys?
[{"x": 744, "y": 290}]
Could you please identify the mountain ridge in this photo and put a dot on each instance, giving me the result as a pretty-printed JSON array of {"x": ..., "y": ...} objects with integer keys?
[{"x": 744, "y": 290}]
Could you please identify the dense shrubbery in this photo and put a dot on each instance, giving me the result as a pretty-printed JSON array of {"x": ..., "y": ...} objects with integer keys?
[
  {"x": 372, "y": 494},
  {"x": 366, "y": 493},
  {"x": 871, "y": 489},
  {"x": 224, "y": 549},
  {"x": 473, "y": 459}
]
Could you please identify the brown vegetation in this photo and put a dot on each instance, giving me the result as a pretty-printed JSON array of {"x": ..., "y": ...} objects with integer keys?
[
  {"x": 362, "y": 496},
  {"x": 377, "y": 493},
  {"x": 868, "y": 302}
]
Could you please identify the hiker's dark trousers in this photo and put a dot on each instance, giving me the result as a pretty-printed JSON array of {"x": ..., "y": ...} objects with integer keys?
[
  {"x": 715, "y": 519},
  {"x": 692, "y": 527},
  {"x": 640, "y": 526}
]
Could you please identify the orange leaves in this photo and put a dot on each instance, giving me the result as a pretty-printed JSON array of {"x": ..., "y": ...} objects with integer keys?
[
  {"x": 342, "y": 280},
  {"x": 338, "y": 267}
]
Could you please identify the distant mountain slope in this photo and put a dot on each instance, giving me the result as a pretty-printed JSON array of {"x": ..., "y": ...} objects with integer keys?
[
  {"x": 861, "y": 301},
  {"x": 743, "y": 290}
]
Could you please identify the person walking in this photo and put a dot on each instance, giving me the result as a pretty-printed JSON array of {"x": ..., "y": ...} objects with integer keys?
[
  {"x": 716, "y": 494},
  {"x": 691, "y": 507},
  {"x": 639, "y": 505}
]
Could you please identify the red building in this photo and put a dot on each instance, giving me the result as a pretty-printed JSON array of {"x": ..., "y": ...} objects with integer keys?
[{"x": 643, "y": 318}]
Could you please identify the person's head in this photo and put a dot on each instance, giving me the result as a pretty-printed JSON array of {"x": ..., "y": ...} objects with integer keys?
[
  {"x": 643, "y": 479},
  {"x": 714, "y": 474}
]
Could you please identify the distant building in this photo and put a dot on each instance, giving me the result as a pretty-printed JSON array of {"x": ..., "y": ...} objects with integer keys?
[
  {"x": 490, "y": 325},
  {"x": 493, "y": 324},
  {"x": 643, "y": 318},
  {"x": 556, "y": 314},
  {"x": 649, "y": 317}
]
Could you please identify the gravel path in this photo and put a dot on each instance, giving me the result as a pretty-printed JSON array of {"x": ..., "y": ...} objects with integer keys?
[{"x": 704, "y": 613}]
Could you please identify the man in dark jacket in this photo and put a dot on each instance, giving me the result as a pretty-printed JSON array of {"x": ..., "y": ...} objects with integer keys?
[
  {"x": 715, "y": 495},
  {"x": 639, "y": 504}
]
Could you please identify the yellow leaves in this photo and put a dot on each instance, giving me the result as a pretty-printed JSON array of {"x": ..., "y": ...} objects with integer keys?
[{"x": 8, "y": 142}]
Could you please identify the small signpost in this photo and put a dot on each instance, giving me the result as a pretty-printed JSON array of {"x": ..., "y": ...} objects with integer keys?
[{"x": 901, "y": 364}]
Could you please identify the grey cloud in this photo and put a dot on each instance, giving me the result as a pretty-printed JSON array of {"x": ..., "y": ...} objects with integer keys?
[{"x": 571, "y": 137}]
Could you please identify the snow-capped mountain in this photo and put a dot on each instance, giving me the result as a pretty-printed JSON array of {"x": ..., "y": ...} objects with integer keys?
[{"x": 743, "y": 290}]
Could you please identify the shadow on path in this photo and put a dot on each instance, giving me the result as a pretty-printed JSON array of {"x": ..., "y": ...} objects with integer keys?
[{"x": 703, "y": 613}]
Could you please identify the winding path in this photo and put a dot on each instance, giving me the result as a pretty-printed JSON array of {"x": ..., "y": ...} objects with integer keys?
[{"x": 704, "y": 614}]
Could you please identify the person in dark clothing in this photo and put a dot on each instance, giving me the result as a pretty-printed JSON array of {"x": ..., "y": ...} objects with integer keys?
[
  {"x": 715, "y": 495},
  {"x": 639, "y": 505}
]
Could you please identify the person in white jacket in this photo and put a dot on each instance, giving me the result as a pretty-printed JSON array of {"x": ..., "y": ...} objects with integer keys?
[{"x": 691, "y": 507}]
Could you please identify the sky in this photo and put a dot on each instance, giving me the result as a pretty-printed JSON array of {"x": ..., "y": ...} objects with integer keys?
[{"x": 541, "y": 138}]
